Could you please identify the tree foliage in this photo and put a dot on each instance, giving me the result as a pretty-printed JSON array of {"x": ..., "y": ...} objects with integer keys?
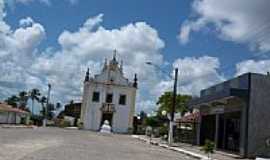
[
  {"x": 152, "y": 121},
  {"x": 42, "y": 101},
  {"x": 58, "y": 106},
  {"x": 23, "y": 98},
  {"x": 165, "y": 102},
  {"x": 208, "y": 148},
  {"x": 13, "y": 101}
]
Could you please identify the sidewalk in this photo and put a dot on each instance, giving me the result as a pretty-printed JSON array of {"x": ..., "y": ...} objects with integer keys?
[{"x": 188, "y": 149}]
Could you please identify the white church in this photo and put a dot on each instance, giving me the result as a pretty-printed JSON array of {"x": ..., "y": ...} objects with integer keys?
[{"x": 109, "y": 96}]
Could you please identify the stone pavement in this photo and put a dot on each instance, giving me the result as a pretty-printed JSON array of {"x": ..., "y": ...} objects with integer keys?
[
  {"x": 66, "y": 144},
  {"x": 191, "y": 150}
]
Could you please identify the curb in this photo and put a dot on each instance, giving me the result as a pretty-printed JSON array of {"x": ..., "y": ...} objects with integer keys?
[
  {"x": 188, "y": 153},
  {"x": 18, "y": 126}
]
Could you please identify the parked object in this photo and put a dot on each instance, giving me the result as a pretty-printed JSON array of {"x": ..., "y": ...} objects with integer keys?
[
  {"x": 69, "y": 119},
  {"x": 106, "y": 128},
  {"x": 73, "y": 109}
]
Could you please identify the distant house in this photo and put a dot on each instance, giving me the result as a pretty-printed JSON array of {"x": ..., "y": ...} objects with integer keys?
[
  {"x": 9, "y": 115},
  {"x": 186, "y": 127},
  {"x": 73, "y": 110},
  {"x": 235, "y": 115}
]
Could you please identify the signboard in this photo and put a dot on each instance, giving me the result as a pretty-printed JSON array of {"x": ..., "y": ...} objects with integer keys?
[{"x": 217, "y": 109}]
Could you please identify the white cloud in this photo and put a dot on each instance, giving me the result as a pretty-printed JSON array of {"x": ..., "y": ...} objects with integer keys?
[
  {"x": 147, "y": 106},
  {"x": 241, "y": 21},
  {"x": 93, "y": 22},
  {"x": 195, "y": 74},
  {"x": 18, "y": 49},
  {"x": 26, "y": 22},
  {"x": 12, "y": 3},
  {"x": 73, "y": 1},
  {"x": 260, "y": 66},
  {"x": 28, "y": 38},
  {"x": 92, "y": 43},
  {"x": 47, "y": 2},
  {"x": 23, "y": 66}
]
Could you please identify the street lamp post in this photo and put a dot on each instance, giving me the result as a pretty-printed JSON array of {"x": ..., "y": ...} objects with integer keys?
[
  {"x": 171, "y": 118},
  {"x": 48, "y": 101}
]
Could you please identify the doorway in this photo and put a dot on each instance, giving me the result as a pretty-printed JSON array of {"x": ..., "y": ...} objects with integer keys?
[
  {"x": 108, "y": 117},
  {"x": 208, "y": 128},
  {"x": 232, "y": 132},
  {"x": 229, "y": 131}
]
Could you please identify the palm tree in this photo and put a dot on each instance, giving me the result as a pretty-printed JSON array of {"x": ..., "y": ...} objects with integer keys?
[
  {"x": 23, "y": 98},
  {"x": 58, "y": 106},
  {"x": 13, "y": 101},
  {"x": 42, "y": 101},
  {"x": 34, "y": 95}
]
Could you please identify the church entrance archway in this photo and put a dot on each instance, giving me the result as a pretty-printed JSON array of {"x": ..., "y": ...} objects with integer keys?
[{"x": 108, "y": 117}]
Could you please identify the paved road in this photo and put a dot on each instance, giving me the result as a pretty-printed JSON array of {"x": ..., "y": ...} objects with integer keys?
[{"x": 61, "y": 144}]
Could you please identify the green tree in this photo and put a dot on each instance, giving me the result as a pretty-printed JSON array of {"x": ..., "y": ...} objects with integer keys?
[
  {"x": 208, "y": 148},
  {"x": 23, "y": 98},
  {"x": 13, "y": 101},
  {"x": 58, "y": 106},
  {"x": 142, "y": 116},
  {"x": 50, "y": 111},
  {"x": 152, "y": 121},
  {"x": 42, "y": 101},
  {"x": 34, "y": 95},
  {"x": 165, "y": 103}
]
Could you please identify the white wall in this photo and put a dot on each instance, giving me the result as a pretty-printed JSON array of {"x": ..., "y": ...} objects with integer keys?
[
  {"x": 93, "y": 115},
  {"x": 9, "y": 118},
  {"x": 3, "y": 117},
  {"x": 111, "y": 80}
]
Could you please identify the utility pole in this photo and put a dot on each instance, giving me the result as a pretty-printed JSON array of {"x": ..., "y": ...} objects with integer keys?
[
  {"x": 171, "y": 117},
  {"x": 48, "y": 101},
  {"x": 170, "y": 138}
]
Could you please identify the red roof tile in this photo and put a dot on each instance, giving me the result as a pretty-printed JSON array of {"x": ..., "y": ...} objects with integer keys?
[
  {"x": 191, "y": 118},
  {"x": 8, "y": 108}
]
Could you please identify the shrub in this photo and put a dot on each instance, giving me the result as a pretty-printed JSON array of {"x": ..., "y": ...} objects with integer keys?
[
  {"x": 64, "y": 124},
  {"x": 163, "y": 130},
  {"x": 130, "y": 130},
  {"x": 80, "y": 125},
  {"x": 208, "y": 148}
]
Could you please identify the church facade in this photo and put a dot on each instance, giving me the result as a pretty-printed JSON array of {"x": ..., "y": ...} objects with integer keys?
[{"x": 109, "y": 96}]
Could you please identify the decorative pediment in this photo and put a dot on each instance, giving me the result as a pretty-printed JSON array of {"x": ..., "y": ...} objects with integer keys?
[{"x": 112, "y": 74}]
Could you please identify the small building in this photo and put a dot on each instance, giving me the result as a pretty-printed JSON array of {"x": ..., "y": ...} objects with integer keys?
[
  {"x": 109, "y": 96},
  {"x": 235, "y": 115},
  {"x": 10, "y": 115},
  {"x": 186, "y": 128},
  {"x": 73, "y": 109}
]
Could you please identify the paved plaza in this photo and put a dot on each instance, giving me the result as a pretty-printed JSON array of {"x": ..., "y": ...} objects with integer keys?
[{"x": 61, "y": 144}]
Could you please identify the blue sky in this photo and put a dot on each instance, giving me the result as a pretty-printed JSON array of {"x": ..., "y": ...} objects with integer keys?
[
  {"x": 163, "y": 16},
  {"x": 209, "y": 40}
]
